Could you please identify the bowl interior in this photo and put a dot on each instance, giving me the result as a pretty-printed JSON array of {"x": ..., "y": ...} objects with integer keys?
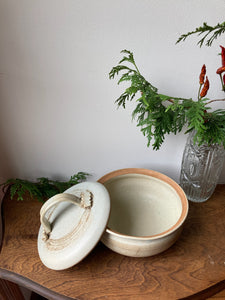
[{"x": 142, "y": 205}]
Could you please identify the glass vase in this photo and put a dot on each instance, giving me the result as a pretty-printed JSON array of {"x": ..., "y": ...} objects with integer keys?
[{"x": 200, "y": 170}]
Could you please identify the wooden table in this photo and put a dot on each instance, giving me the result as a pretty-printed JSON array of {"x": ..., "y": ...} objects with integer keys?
[{"x": 194, "y": 268}]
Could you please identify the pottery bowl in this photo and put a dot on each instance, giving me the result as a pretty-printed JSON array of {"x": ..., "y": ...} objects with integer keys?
[{"x": 148, "y": 210}]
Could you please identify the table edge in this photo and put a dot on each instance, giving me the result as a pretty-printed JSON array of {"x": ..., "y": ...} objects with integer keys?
[
  {"x": 31, "y": 285},
  {"x": 208, "y": 292}
]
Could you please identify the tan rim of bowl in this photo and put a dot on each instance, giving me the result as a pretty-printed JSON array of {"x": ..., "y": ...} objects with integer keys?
[{"x": 162, "y": 177}]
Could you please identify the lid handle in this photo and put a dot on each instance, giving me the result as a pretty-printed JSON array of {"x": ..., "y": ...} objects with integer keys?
[{"x": 84, "y": 201}]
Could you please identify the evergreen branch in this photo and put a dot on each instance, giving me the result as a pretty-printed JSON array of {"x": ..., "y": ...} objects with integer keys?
[
  {"x": 130, "y": 59},
  {"x": 156, "y": 119},
  {"x": 205, "y": 30},
  {"x": 215, "y": 129},
  {"x": 43, "y": 188},
  {"x": 195, "y": 115},
  {"x": 117, "y": 69}
]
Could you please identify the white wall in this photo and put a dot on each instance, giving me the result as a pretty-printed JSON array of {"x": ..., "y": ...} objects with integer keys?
[{"x": 58, "y": 115}]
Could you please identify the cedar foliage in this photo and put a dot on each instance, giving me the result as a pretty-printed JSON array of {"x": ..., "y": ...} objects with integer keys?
[
  {"x": 210, "y": 33},
  {"x": 156, "y": 119},
  {"x": 43, "y": 188}
]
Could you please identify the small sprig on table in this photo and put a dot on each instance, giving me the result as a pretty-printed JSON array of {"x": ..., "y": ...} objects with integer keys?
[{"x": 43, "y": 188}]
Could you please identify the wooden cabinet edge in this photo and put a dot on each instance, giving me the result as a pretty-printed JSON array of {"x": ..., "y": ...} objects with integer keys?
[{"x": 31, "y": 285}]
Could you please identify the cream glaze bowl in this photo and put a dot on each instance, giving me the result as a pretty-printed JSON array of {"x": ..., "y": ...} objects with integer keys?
[{"x": 148, "y": 210}]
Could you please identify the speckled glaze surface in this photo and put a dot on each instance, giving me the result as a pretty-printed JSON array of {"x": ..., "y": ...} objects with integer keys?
[{"x": 148, "y": 210}]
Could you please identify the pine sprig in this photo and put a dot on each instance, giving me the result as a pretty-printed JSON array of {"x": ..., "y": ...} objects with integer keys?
[
  {"x": 43, "y": 188},
  {"x": 210, "y": 33}
]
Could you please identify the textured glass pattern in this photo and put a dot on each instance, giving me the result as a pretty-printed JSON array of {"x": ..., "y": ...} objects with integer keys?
[{"x": 200, "y": 170}]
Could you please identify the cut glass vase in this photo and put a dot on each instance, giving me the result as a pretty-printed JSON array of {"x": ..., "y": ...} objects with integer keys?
[{"x": 201, "y": 168}]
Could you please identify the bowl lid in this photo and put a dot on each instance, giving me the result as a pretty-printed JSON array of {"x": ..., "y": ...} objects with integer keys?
[{"x": 72, "y": 223}]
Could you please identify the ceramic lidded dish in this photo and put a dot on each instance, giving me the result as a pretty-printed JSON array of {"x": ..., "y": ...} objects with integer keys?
[
  {"x": 135, "y": 212},
  {"x": 148, "y": 210}
]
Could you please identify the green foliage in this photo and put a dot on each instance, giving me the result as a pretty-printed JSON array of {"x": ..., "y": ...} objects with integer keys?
[
  {"x": 156, "y": 119},
  {"x": 210, "y": 33},
  {"x": 195, "y": 115},
  {"x": 214, "y": 128},
  {"x": 43, "y": 188}
]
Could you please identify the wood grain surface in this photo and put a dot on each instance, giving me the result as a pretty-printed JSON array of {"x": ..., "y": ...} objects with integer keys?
[{"x": 193, "y": 268}]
